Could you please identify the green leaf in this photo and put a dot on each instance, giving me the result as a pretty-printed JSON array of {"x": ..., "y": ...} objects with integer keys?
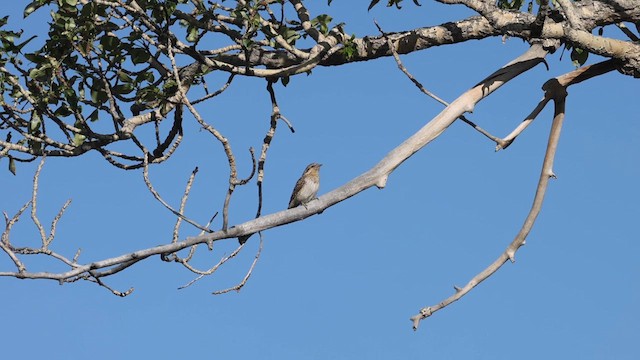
[
  {"x": 170, "y": 6},
  {"x": 148, "y": 94},
  {"x": 71, "y": 97},
  {"x": 63, "y": 111},
  {"x": 247, "y": 43},
  {"x": 12, "y": 165},
  {"x": 322, "y": 23},
  {"x": 372, "y": 4},
  {"x": 109, "y": 43},
  {"x": 21, "y": 45},
  {"x": 349, "y": 48},
  {"x": 35, "y": 58},
  {"x": 123, "y": 89},
  {"x": 145, "y": 76},
  {"x": 289, "y": 35},
  {"x": 108, "y": 26},
  {"x": 78, "y": 139},
  {"x": 33, "y": 6},
  {"x": 122, "y": 76},
  {"x": 98, "y": 95},
  {"x": 34, "y": 129},
  {"x": 69, "y": 24},
  {"x": 41, "y": 72},
  {"x": 34, "y": 124},
  {"x": 192, "y": 34},
  {"x": 138, "y": 55},
  {"x": 94, "y": 115},
  {"x": 170, "y": 87},
  {"x": 579, "y": 56}
]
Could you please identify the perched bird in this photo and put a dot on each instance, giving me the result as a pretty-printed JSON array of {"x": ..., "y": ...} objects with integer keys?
[{"x": 306, "y": 187}]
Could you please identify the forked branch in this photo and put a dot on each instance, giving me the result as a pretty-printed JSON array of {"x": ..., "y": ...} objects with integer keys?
[{"x": 555, "y": 89}]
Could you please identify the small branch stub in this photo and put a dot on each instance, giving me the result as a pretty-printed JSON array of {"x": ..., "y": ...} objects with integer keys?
[{"x": 425, "y": 312}]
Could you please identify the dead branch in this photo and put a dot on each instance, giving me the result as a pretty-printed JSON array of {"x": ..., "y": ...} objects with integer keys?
[
  {"x": 156, "y": 195},
  {"x": 555, "y": 89},
  {"x": 183, "y": 204},
  {"x": 247, "y": 276},
  {"x": 438, "y": 99},
  {"x": 376, "y": 176},
  {"x": 34, "y": 204},
  {"x": 573, "y": 77},
  {"x": 268, "y": 137},
  {"x": 524, "y": 124},
  {"x": 5, "y": 243},
  {"x": 217, "y": 92},
  {"x": 211, "y": 270}
]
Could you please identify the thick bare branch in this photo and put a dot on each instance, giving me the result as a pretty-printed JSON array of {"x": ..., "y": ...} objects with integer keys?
[
  {"x": 555, "y": 89},
  {"x": 434, "y": 96},
  {"x": 574, "y": 77},
  {"x": 376, "y": 176}
]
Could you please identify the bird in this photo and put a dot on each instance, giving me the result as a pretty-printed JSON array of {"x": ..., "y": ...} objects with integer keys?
[{"x": 307, "y": 186}]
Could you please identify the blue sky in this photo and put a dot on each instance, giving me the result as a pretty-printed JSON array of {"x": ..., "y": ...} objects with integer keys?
[{"x": 343, "y": 284}]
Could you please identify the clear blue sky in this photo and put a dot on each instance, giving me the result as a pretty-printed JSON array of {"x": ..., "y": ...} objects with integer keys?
[{"x": 342, "y": 285}]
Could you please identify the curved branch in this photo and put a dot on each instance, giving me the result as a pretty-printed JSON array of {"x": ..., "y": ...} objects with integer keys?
[
  {"x": 156, "y": 195},
  {"x": 376, "y": 176},
  {"x": 555, "y": 89}
]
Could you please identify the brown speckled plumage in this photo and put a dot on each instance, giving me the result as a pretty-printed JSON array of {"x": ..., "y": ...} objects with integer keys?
[{"x": 307, "y": 186}]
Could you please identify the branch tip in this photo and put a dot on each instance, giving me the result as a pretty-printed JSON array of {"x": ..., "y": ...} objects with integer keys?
[
  {"x": 416, "y": 322},
  {"x": 123, "y": 294}
]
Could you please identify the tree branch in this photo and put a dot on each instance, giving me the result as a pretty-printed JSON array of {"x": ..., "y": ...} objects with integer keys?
[
  {"x": 376, "y": 176},
  {"x": 555, "y": 89}
]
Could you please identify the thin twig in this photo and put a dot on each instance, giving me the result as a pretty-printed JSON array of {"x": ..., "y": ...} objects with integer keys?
[
  {"x": 5, "y": 244},
  {"x": 524, "y": 124},
  {"x": 192, "y": 250},
  {"x": 249, "y": 272},
  {"x": 34, "y": 203},
  {"x": 113, "y": 291},
  {"x": 183, "y": 203},
  {"x": 216, "y": 93},
  {"x": 211, "y": 270},
  {"x": 286, "y": 121},
  {"x": 54, "y": 223},
  {"x": 156, "y": 195},
  {"x": 419, "y": 85}
]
